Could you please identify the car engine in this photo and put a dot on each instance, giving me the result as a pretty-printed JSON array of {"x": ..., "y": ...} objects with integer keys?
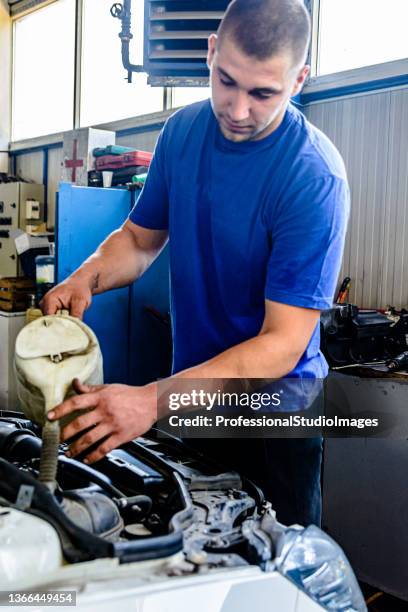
[
  {"x": 151, "y": 498},
  {"x": 157, "y": 512}
]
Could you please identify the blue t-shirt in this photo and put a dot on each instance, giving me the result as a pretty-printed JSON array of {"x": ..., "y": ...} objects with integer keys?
[{"x": 246, "y": 221}]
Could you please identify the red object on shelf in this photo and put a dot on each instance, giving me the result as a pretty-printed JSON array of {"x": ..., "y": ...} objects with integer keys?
[{"x": 133, "y": 158}]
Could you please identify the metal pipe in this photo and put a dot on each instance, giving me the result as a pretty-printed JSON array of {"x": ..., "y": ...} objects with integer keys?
[{"x": 123, "y": 12}]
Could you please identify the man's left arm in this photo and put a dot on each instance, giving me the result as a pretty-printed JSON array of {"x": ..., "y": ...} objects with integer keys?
[
  {"x": 120, "y": 413},
  {"x": 276, "y": 350}
]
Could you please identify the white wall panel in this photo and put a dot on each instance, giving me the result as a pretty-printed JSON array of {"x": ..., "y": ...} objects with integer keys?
[
  {"x": 395, "y": 255},
  {"x": 371, "y": 133},
  {"x": 30, "y": 166}
]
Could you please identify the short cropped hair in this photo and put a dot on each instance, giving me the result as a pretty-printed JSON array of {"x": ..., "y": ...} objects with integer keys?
[{"x": 267, "y": 28}]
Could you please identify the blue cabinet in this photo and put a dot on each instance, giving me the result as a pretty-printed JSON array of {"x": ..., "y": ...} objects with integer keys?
[{"x": 134, "y": 343}]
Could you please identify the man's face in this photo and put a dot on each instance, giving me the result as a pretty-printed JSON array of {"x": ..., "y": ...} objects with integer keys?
[{"x": 249, "y": 97}]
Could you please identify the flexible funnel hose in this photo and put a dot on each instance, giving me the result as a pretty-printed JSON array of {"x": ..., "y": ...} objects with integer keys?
[
  {"x": 50, "y": 352},
  {"x": 49, "y": 454}
]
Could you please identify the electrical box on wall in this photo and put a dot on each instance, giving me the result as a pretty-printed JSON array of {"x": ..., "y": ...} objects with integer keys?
[{"x": 21, "y": 207}]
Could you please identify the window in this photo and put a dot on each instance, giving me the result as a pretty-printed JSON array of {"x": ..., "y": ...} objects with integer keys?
[
  {"x": 43, "y": 71},
  {"x": 187, "y": 95},
  {"x": 357, "y": 33},
  {"x": 105, "y": 93}
]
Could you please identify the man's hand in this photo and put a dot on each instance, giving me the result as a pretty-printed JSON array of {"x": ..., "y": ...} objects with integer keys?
[
  {"x": 116, "y": 413},
  {"x": 72, "y": 295}
]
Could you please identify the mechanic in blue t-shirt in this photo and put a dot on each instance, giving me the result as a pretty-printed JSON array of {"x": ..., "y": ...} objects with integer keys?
[{"x": 254, "y": 202}]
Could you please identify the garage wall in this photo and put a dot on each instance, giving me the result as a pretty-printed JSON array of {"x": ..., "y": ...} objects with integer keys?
[
  {"x": 371, "y": 132},
  {"x": 29, "y": 166},
  {"x": 139, "y": 132},
  {"x": 144, "y": 141}
]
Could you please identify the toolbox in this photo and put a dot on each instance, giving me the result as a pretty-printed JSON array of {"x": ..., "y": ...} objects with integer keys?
[{"x": 132, "y": 158}]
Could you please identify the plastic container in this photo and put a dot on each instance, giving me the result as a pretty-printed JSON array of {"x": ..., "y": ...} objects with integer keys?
[
  {"x": 44, "y": 275},
  {"x": 50, "y": 352}
]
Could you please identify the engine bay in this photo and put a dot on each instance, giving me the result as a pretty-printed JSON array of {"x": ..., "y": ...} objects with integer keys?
[{"x": 152, "y": 498}]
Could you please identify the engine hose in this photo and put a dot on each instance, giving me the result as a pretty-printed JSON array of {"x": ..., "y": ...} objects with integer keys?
[{"x": 49, "y": 454}]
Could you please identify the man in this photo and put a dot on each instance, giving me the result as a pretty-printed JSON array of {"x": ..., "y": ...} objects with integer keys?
[{"x": 254, "y": 201}]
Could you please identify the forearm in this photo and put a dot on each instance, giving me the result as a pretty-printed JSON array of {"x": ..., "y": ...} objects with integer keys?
[
  {"x": 267, "y": 356},
  {"x": 117, "y": 262},
  {"x": 273, "y": 353}
]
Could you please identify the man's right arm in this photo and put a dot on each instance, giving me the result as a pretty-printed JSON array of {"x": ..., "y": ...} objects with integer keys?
[{"x": 118, "y": 261}]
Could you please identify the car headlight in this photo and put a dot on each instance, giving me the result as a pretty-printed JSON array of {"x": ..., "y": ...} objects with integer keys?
[{"x": 311, "y": 559}]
